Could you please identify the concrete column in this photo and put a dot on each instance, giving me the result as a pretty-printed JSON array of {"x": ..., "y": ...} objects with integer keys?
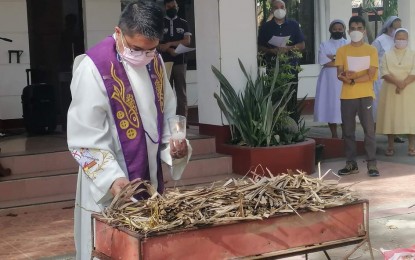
[
  {"x": 339, "y": 9},
  {"x": 100, "y": 19},
  {"x": 406, "y": 10},
  {"x": 226, "y": 31}
]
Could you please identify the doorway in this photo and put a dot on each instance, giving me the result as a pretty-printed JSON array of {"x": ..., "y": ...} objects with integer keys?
[{"x": 56, "y": 37}]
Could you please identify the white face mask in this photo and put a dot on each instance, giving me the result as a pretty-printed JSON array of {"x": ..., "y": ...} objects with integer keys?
[
  {"x": 280, "y": 13},
  {"x": 136, "y": 58},
  {"x": 401, "y": 44},
  {"x": 356, "y": 36}
]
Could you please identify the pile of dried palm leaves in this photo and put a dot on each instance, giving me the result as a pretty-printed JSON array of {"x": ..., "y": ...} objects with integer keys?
[{"x": 235, "y": 200}]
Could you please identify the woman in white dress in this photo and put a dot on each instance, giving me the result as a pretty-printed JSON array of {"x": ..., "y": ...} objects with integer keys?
[
  {"x": 397, "y": 95},
  {"x": 383, "y": 43},
  {"x": 327, "y": 99}
]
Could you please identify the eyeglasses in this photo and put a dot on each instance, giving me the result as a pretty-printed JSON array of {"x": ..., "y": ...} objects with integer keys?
[{"x": 147, "y": 53}]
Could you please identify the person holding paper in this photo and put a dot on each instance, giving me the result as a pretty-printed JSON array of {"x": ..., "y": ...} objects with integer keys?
[
  {"x": 397, "y": 95},
  {"x": 176, "y": 32},
  {"x": 118, "y": 119},
  {"x": 357, "y": 66},
  {"x": 281, "y": 35},
  {"x": 327, "y": 100},
  {"x": 383, "y": 43}
]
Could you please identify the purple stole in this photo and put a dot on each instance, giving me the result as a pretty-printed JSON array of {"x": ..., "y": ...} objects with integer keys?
[{"x": 131, "y": 132}]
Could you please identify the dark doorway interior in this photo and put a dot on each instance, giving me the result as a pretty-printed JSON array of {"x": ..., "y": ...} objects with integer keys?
[{"x": 55, "y": 37}]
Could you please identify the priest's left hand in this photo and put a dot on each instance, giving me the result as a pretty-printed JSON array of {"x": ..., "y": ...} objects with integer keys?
[{"x": 178, "y": 148}]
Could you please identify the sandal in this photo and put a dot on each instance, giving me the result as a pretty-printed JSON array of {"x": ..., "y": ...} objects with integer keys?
[
  {"x": 391, "y": 152},
  {"x": 411, "y": 151}
]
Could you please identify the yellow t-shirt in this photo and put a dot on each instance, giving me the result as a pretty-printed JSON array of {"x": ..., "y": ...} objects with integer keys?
[{"x": 348, "y": 52}]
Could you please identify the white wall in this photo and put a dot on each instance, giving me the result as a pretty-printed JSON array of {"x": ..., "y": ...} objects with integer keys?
[
  {"x": 100, "y": 19},
  {"x": 339, "y": 9},
  {"x": 223, "y": 37},
  {"x": 307, "y": 81},
  {"x": 406, "y": 10},
  {"x": 192, "y": 88},
  {"x": 13, "y": 25},
  {"x": 207, "y": 54},
  {"x": 238, "y": 40}
]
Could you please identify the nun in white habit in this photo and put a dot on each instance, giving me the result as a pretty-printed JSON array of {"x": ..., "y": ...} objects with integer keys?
[
  {"x": 383, "y": 43},
  {"x": 327, "y": 99}
]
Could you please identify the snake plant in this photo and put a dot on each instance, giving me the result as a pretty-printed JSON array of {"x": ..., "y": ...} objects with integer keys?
[{"x": 254, "y": 114}]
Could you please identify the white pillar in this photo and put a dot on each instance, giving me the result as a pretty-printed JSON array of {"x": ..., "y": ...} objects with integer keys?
[
  {"x": 100, "y": 19},
  {"x": 406, "y": 10},
  {"x": 226, "y": 31},
  {"x": 339, "y": 9}
]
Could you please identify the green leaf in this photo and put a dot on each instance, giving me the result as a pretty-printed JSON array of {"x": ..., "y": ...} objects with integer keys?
[{"x": 257, "y": 113}]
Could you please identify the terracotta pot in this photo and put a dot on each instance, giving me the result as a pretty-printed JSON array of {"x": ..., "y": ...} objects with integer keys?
[
  {"x": 334, "y": 148},
  {"x": 278, "y": 159}
]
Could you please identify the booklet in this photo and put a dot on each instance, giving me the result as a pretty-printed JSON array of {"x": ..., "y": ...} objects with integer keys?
[
  {"x": 357, "y": 64},
  {"x": 279, "y": 41},
  {"x": 180, "y": 49}
]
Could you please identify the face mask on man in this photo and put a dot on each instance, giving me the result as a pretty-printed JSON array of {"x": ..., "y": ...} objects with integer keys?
[
  {"x": 136, "y": 58},
  {"x": 356, "y": 36},
  {"x": 280, "y": 13},
  {"x": 401, "y": 44},
  {"x": 337, "y": 35},
  {"x": 172, "y": 12}
]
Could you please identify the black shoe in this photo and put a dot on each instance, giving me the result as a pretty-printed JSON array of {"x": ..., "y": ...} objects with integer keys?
[
  {"x": 350, "y": 168},
  {"x": 398, "y": 140},
  {"x": 373, "y": 171}
]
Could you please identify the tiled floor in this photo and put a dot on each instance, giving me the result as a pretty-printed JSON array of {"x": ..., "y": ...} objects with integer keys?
[
  {"x": 37, "y": 235},
  {"x": 49, "y": 234}
]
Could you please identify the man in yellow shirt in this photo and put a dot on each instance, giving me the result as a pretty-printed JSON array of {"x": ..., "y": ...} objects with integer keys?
[{"x": 357, "y": 67}]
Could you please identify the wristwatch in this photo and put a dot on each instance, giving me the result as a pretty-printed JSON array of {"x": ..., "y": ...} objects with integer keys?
[{"x": 352, "y": 82}]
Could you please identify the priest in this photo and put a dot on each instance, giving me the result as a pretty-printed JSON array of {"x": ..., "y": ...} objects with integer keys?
[{"x": 117, "y": 121}]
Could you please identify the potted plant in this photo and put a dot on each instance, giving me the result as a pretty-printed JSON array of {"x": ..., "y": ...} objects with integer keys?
[{"x": 262, "y": 130}]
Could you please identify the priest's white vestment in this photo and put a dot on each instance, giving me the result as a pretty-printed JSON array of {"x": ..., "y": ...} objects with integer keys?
[{"x": 94, "y": 142}]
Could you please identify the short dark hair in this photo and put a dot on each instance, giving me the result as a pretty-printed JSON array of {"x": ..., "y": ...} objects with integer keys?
[
  {"x": 142, "y": 17},
  {"x": 168, "y": 1},
  {"x": 357, "y": 19}
]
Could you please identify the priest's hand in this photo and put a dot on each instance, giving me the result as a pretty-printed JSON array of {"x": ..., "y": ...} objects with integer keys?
[
  {"x": 178, "y": 148},
  {"x": 118, "y": 184}
]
